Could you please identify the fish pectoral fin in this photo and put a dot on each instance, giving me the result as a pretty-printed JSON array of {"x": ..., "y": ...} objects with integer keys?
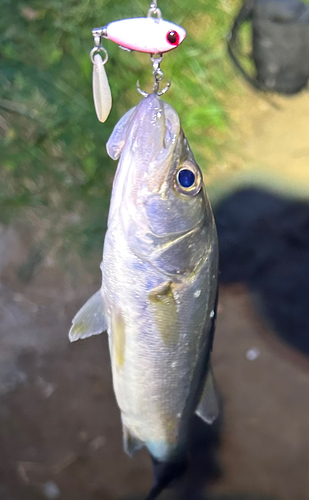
[
  {"x": 131, "y": 444},
  {"x": 90, "y": 319},
  {"x": 161, "y": 291},
  {"x": 117, "y": 140},
  {"x": 164, "y": 309},
  {"x": 208, "y": 408}
]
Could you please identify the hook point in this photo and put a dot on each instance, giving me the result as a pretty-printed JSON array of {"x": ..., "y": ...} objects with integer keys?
[
  {"x": 142, "y": 92},
  {"x": 163, "y": 91}
]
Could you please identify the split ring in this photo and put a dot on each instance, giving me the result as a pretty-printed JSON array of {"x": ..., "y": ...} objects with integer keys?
[{"x": 98, "y": 49}]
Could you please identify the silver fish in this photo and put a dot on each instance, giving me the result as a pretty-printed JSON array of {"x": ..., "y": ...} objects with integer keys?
[{"x": 159, "y": 283}]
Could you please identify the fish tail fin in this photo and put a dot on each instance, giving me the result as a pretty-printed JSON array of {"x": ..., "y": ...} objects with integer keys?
[{"x": 165, "y": 473}]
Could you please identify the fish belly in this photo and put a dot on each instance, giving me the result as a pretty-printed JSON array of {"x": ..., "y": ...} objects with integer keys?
[{"x": 155, "y": 345}]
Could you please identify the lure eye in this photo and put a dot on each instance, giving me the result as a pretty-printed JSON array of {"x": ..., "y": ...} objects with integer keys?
[
  {"x": 173, "y": 37},
  {"x": 188, "y": 179}
]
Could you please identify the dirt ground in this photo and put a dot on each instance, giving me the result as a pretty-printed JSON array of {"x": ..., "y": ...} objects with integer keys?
[
  {"x": 268, "y": 144},
  {"x": 60, "y": 434}
]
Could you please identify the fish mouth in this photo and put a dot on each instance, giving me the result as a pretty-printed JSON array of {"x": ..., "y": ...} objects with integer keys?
[
  {"x": 149, "y": 127},
  {"x": 150, "y": 105},
  {"x": 155, "y": 126},
  {"x": 150, "y": 144}
]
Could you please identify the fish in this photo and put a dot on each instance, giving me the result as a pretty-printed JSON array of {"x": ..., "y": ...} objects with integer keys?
[
  {"x": 159, "y": 288},
  {"x": 145, "y": 34}
]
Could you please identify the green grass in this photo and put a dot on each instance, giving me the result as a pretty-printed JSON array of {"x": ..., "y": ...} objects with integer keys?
[{"x": 53, "y": 163}]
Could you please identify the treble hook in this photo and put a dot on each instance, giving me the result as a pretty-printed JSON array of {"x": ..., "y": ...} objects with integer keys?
[
  {"x": 158, "y": 75},
  {"x": 145, "y": 94}
]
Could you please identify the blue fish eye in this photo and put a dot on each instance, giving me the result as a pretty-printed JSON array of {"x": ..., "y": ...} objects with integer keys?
[{"x": 186, "y": 178}]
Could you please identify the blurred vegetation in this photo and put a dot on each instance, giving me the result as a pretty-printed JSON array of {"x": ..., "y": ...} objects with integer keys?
[{"x": 53, "y": 163}]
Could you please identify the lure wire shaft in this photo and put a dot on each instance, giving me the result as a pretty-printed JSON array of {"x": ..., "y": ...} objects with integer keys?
[
  {"x": 154, "y": 10},
  {"x": 156, "y": 59}
]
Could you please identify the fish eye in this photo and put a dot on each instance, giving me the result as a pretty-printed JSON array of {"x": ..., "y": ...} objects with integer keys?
[
  {"x": 188, "y": 179},
  {"x": 173, "y": 37}
]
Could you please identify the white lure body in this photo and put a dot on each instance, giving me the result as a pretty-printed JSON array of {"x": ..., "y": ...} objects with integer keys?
[
  {"x": 145, "y": 34},
  {"x": 101, "y": 90}
]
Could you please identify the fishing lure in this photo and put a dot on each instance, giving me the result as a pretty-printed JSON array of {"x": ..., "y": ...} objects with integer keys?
[{"x": 151, "y": 34}]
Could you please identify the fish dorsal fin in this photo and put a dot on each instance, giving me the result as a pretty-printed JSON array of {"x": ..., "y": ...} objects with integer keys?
[
  {"x": 90, "y": 319},
  {"x": 117, "y": 140},
  {"x": 208, "y": 408}
]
